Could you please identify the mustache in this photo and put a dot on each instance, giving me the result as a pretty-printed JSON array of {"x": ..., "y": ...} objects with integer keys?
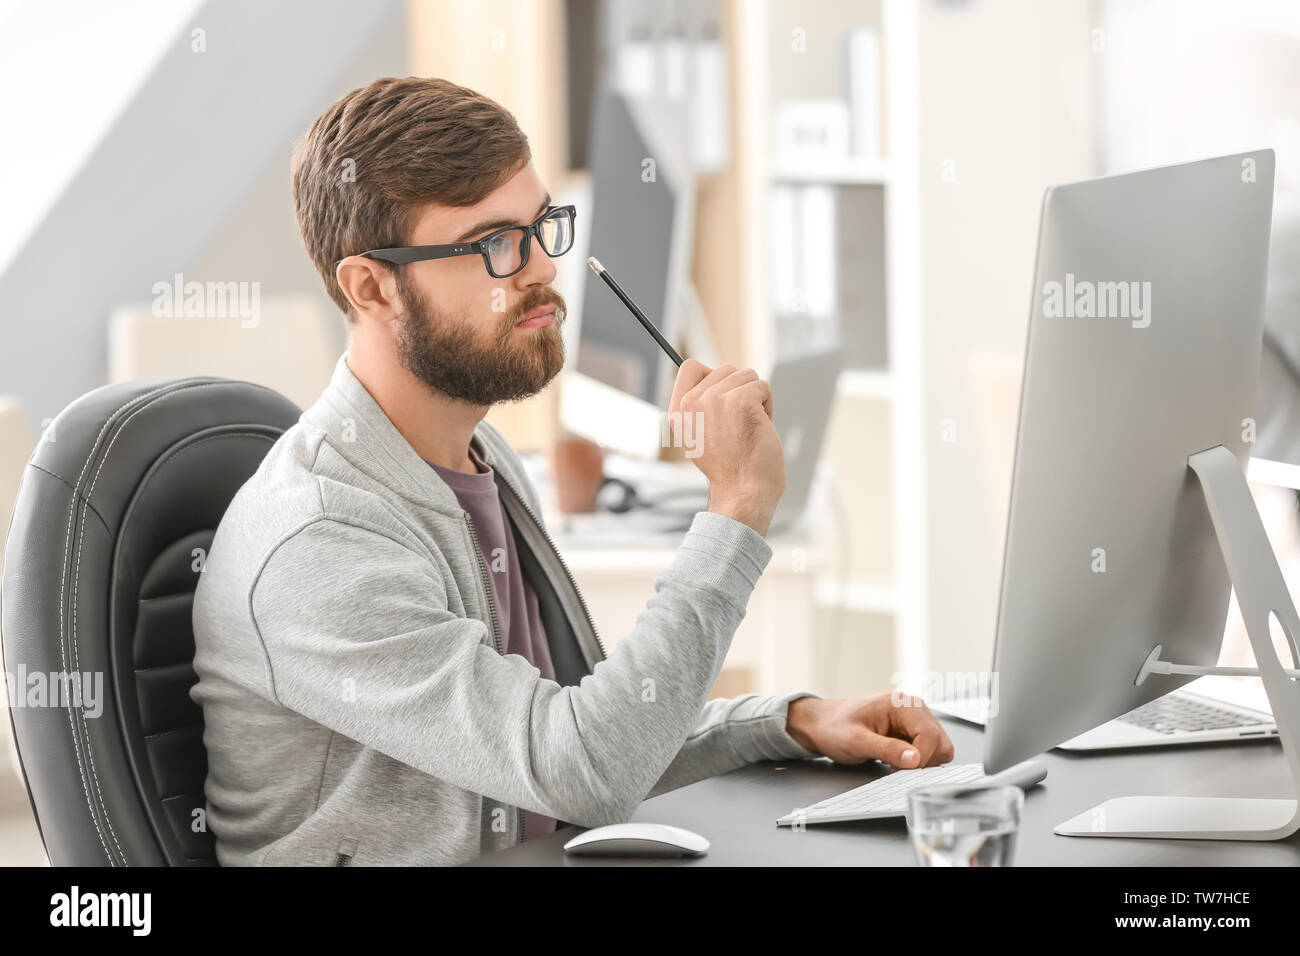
[{"x": 535, "y": 300}]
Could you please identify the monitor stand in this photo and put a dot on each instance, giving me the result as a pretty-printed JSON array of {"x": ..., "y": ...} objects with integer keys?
[{"x": 1261, "y": 592}]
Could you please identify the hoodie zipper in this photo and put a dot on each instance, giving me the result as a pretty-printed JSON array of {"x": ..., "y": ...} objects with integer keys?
[
  {"x": 487, "y": 589},
  {"x": 487, "y": 583},
  {"x": 559, "y": 557},
  {"x": 492, "y": 616}
]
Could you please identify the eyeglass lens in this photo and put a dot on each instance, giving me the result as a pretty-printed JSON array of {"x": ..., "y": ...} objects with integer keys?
[{"x": 505, "y": 250}]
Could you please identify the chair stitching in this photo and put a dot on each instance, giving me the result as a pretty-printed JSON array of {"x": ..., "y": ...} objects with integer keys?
[
  {"x": 69, "y": 638},
  {"x": 60, "y": 478},
  {"x": 77, "y": 566},
  {"x": 80, "y": 538},
  {"x": 66, "y": 637}
]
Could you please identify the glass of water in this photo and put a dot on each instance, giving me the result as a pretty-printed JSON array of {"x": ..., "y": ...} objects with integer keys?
[{"x": 964, "y": 826}]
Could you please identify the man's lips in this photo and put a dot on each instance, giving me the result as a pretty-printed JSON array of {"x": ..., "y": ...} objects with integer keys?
[{"x": 544, "y": 315}]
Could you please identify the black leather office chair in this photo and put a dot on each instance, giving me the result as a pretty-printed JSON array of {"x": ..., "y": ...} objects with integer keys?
[{"x": 116, "y": 511}]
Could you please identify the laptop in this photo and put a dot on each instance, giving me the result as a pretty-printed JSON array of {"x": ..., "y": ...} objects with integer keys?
[
  {"x": 1208, "y": 709},
  {"x": 803, "y": 396}
]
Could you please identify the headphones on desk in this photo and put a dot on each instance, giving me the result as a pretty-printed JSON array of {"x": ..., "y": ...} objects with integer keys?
[{"x": 620, "y": 497}]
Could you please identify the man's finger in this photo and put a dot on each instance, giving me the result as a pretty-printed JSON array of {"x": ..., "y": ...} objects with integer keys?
[
  {"x": 764, "y": 392},
  {"x": 737, "y": 378},
  {"x": 748, "y": 378},
  {"x": 689, "y": 375},
  {"x": 897, "y": 753},
  {"x": 703, "y": 385},
  {"x": 718, "y": 375},
  {"x": 928, "y": 743},
  {"x": 919, "y": 725}
]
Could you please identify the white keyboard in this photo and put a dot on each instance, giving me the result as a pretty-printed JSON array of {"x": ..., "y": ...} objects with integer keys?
[{"x": 887, "y": 796}]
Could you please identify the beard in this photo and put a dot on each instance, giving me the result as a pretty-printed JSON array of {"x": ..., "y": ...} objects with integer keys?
[{"x": 450, "y": 353}]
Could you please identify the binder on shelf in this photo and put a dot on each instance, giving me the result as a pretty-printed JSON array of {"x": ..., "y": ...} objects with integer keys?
[
  {"x": 802, "y": 233},
  {"x": 860, "y": 292},
  {"x": 827, "y": 252}
]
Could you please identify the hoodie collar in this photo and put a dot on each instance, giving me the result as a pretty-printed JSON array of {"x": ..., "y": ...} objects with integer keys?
[{"x": 362, "y": 432}]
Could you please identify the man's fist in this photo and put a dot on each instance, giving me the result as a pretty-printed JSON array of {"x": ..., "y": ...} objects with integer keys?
[{"x": 727, "y": 413}]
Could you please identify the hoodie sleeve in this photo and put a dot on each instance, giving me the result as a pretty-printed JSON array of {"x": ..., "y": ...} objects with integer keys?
[
  {"x": 729, "y": 733},
  {"x": 358, "y": 637},
  {"x": 732, "y": 734}
]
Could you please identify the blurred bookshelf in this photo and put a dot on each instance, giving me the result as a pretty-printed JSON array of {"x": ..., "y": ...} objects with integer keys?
[
  {"x": 819, "y": 245},
  {"x": 858, "y": 172},
  {"x": 863, "y": 205}
]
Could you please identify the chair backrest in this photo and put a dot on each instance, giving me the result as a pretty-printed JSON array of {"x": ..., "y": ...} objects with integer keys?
[{"x": 113, "y": 521}]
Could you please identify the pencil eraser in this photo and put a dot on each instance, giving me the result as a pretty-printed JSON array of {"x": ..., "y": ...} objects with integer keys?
[{"x": 595, "y": 264}]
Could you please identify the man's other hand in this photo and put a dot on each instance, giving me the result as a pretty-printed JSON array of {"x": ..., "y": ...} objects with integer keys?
[{"x": 858, "y": 729}]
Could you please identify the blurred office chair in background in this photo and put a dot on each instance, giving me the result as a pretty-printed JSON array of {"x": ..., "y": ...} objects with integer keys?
[
  {"x": 113, "y": 519},
  {"x": 290, "y": 345}
]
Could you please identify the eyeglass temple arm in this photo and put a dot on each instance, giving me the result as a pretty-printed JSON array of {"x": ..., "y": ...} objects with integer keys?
[{"x": 406, "y": 254}]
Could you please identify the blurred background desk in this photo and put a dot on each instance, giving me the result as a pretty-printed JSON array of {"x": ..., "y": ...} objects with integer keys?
[
  {"x": 616, "y": 558},
  {"x": 774, "y": 648}
]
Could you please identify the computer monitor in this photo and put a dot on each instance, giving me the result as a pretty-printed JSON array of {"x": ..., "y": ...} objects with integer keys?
[
  {"x": 1143, "y": 350},
  {"x": 640, "y": 226}
]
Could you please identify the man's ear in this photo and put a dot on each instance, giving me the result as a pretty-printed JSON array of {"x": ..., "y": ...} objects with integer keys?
[{"x": 369, "y": 285}]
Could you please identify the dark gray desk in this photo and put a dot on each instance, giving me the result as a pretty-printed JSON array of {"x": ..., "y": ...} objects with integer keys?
[{"x": 737, "y": 812}]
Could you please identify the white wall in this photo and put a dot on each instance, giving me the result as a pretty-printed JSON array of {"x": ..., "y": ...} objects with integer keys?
[
  {"x": 59, "y": 115},
  {"x": 1196, "y": 78},
  {"x": 1006, "y": 110},
  {"x": 186, "y": 148}
]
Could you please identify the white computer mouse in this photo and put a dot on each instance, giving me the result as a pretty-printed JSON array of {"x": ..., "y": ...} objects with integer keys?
[{"x": 637, "y": 839}]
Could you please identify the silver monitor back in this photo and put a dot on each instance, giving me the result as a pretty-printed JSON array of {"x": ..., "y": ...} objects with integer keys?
[{"x": 1109, "y": 547}]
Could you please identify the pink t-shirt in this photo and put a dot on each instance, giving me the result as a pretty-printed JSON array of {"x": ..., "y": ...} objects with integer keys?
[{"x": 515, "y": 600}]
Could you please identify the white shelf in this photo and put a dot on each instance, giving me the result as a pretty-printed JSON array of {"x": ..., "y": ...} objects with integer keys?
[
  {"x": 896, "y": 394},
  {"x": 873, "y": 597},
  {"x": 847, "y": 172},
  {"x": 866, "y": 383},
  {"x": 1263, "y": 471}
]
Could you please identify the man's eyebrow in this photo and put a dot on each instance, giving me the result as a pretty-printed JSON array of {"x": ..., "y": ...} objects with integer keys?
[{"x": 495, "y": 224}]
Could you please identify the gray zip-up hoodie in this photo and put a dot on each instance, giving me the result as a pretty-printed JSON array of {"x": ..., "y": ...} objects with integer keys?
[{"x": 357, "y": 707}]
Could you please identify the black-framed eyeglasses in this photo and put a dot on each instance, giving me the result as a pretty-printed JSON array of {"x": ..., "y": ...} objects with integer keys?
[{"x": 504, "y": 252}]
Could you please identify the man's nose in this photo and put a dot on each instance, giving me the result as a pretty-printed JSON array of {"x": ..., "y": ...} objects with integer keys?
[{"x": 540, "y": 269}]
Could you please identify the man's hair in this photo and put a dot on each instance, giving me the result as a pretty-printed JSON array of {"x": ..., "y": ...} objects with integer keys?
[{"x": 371, "y": 160}]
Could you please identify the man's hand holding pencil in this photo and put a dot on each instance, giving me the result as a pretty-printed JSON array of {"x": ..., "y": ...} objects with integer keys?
[{"x": 726, "y": 413}]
